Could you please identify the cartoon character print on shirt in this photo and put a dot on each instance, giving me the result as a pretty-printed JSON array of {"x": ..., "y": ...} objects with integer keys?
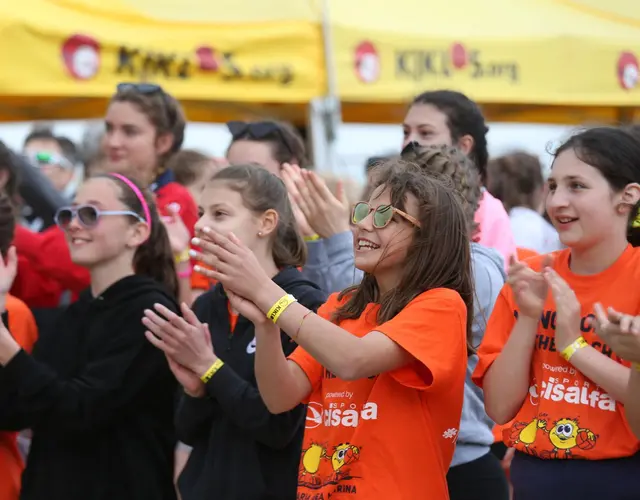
[
  {"x": 562, "y": 385},
  {"x": 341, "y": 413},
  {"x": 565, "y": 436},
  {"x": 317, "y": 456}
]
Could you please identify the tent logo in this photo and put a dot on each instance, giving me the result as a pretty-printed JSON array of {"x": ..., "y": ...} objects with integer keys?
[
  {"x": 628, "y": 70},
  {"x": 367, "y": 62},
  {"x": 81, "y": 56}
]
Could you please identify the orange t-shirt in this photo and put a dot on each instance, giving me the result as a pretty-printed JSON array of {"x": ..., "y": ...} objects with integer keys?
[
  {"x": 22, "y": 326},
  {"x": 390, "y": 436},
  {"x": 525, "y": 253},
  {"x": 566, "y": 415}
]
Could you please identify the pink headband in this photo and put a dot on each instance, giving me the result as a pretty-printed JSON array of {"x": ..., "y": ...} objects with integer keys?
[{"x": 138, "y": 193}]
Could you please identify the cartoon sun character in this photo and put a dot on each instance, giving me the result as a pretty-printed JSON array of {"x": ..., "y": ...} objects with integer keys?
[
  {"x": 525, "y": 433},
  {"x": 567, "y": 434},
  {"x": 311, "y": 459},
  {"x": 343, "y": 455}
]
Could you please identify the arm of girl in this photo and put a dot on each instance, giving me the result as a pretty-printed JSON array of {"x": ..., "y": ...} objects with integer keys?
[
  {"x": 346, "y": 356},
  {"x": 282, "y": 383},
  {"x": 125, "y": 367},
  {"x": 507, "y": 380},
  {"x": 632, "y": 406},
  {"x": 233, "y": 395},
  {"x": 604, "y": 371}
]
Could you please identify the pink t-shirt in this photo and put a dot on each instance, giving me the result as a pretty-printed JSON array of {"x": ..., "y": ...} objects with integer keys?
[{"x": 494, "y": 229}]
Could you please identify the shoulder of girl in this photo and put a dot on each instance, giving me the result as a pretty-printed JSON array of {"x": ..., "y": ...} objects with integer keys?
[{"x": 437, "y": 297}]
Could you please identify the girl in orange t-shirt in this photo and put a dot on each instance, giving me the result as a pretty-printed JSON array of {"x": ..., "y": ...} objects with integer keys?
[
  {"x": 542, "y": 366},
  {"x": 382, "y": 365}
]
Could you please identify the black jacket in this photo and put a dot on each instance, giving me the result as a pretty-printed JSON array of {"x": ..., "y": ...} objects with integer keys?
[
  {"x": 240, "y": 450},
  {"x": 100, "y": 400}
]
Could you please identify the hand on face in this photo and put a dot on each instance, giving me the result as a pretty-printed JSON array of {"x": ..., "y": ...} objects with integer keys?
[{"x": 231, "y": 263}]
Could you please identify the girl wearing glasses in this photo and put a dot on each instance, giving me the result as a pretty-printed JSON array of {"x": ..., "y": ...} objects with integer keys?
[
  {"x": 98, "y": 398},
  {"x": 382, "y": 364}
]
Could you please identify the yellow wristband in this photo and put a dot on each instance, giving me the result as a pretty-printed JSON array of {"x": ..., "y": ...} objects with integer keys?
[
  {"x": 182, "y": 257},
  {"x": 279, "y": 307},
  {"x": 313, "y": 237},
  {"x": 635, "y": 366},
  {"x": 579, "y": 343},
  {"x": 217, "y": 364}
]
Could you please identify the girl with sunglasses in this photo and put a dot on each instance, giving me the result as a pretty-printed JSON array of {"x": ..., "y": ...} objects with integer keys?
[
  {"x": 381, "y": 365},
  {"x": 240, "y": 451},
  {"x": 144, "y": 128},
  {"x": 98, "y": 398}
]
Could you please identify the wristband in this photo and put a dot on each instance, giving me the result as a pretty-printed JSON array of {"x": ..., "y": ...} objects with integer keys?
[
  {"x": 313, "y": 237},
  {"x": 217, "y": 364},
  {"x": 577, "y": 344},
  {"x": 186, "y": 273},
  {"x": 279, "y": 307},
  {"x": 635, "y": 366},
  {"x": 182, "y": 257}
]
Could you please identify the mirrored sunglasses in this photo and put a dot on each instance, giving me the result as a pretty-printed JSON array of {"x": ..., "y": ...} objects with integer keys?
[{"x": 382, "y": 214}]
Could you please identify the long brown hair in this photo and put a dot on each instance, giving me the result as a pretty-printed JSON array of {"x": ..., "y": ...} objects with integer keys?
[
  {"x": 262, "y": 191},
  {"x": 439, "y": 256}
]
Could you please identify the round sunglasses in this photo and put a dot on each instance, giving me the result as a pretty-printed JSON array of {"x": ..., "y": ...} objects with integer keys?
[
  {"x": 88, "y": 215},
  {"x": 382, "y": 214}
]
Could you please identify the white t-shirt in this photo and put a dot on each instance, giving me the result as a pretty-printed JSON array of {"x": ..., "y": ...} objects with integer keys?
[{"x": 532, "y": 231}]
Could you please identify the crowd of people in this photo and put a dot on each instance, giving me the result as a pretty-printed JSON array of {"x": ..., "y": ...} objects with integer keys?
[{"x": 245, "y": 328}]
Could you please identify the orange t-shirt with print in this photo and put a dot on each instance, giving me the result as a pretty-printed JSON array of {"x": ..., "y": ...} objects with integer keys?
[
  {"x": 390, "y": 436},
  {"x": 22, "y": 326},
  {"x": 566, "y": 415}
]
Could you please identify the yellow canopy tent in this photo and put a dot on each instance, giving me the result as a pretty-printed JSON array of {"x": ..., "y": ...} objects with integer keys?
[
  {"x": 565, "y": 61},
  {"x": 62, "y": 59}
]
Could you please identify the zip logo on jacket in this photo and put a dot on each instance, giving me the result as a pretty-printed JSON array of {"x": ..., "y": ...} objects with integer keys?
[{"x": 251, "y": 348}]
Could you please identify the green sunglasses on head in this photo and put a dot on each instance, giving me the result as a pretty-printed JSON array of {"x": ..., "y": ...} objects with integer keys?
[{"x": 382, "y": 214}]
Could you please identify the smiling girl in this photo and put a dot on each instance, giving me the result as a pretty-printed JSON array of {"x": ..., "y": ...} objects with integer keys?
[
  {"x": 382, "y": 365},
  {"x": 98, "y": 398},
  {"x": 240, "y": 450},
  {"x": 542, "y": 366}
]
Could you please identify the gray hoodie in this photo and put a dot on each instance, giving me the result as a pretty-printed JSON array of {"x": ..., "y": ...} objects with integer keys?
[{"x": 475, "y": 437}]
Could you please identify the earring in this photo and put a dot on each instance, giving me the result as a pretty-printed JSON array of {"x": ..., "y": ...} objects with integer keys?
[{"x": 259, "y": 233}]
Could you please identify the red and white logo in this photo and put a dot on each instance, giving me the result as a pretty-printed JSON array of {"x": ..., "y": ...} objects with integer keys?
[
  {"x": 628, "y": 70},
  {"x": 367, "y": 62},
  {"x": 81, "y": 56}
]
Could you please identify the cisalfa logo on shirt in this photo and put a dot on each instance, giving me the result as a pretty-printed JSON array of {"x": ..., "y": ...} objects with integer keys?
[
  {"x": 569, "y": 390},
  {"x": 339, "y": 414}
]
